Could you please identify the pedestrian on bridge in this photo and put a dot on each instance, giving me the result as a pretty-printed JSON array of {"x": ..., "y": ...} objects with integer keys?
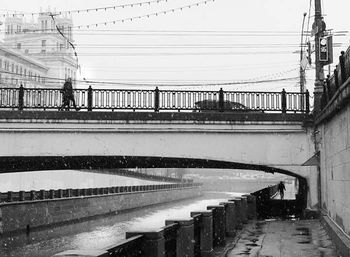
[
  {"x": 281, "y": 189},
  {"x": 67, "y": 95}
]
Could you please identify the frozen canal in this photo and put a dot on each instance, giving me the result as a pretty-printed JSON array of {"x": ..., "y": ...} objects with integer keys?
[{"x": 105, "y": 231}]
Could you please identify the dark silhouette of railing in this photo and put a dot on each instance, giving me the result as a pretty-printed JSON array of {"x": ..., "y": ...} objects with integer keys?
[
  {"x": 157, "y": 100},
  {"x": 81, "y": 192},
  {"x": 333, "y": 83}
]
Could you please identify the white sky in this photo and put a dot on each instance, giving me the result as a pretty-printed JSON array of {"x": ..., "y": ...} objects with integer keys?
[{"x": 221, "y": 58}]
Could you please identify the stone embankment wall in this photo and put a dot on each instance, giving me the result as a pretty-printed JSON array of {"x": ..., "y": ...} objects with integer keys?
[
  {"x": 332, "y": 140},
  {"x": 45, "y": 208}
]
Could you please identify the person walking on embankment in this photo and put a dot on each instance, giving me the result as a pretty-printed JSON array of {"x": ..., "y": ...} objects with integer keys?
[{"x": 281, "y": 189}]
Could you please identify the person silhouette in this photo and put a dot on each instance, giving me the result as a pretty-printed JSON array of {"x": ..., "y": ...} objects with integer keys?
[
  {"x": 67, "y": 95},
  {"x": 281, "y": 189}
]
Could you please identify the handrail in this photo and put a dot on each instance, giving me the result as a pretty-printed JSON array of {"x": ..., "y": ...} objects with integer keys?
[{"x": 157, "y": 100}]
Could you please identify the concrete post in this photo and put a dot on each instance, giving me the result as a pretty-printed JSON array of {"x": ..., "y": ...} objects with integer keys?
[
  {"x": 218, "y": 224},
  {"x": 230, "y": 218},
  {"x": 251, "y": 201},
  {"x": 52, "y": 194},
  {"x": 153, "y": 243},
  {"x": 42, "y": 194},
  {"x": 185, "y": 237},
  {"x": 32, "y": 195},
  {"x": 244, "y": 209},
  {"x": 206, "y": 233},
  {"x": 238, "y": 212}
]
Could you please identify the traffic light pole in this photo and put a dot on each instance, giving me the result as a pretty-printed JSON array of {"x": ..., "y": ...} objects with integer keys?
[{"x": 318, "y": 27}]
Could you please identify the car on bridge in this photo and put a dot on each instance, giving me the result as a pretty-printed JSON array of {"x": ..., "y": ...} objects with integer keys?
[{"x": 213, "y": 105}]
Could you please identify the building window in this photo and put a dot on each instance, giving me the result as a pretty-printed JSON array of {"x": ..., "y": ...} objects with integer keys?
[
  {"x": 0, "y": 63},
  {"x": 43, "y": 43},
  {"x": 12, "y": 68},
  {"x": 18, "y": 45},
  {"x": 16, "y": 69}
]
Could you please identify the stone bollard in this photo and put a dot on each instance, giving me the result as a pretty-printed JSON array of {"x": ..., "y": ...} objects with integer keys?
[
  {"x": 230, "y": 218},
  {"x": 238, "y": 212},
  {"x": 22, "y": 195},
  {"x": 244, "y": 209},
  {"x": 42, "y": 194},
  {"x": 153, "y": 244},
  {"x": 185, "y": 237},
  {"x": 218, "y": 224},
  {"x": 206, "y": 232},
  {"x": 52, "y": 194},
  {"x": 32, "y": 195},
  {"x": 251, "y": 201},
  {"x": 83, "y": 253}
]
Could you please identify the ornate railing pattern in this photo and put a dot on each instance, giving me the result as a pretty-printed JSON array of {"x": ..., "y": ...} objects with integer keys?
[
  {"x": 157, "y": 100},
  {"x": 66, "y": 193}
]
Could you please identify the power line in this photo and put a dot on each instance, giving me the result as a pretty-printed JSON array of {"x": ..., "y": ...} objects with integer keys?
[{"x": 241, "y": 82}]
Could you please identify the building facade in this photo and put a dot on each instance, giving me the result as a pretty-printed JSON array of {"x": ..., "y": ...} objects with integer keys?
[{"x": 37, "y": 53}]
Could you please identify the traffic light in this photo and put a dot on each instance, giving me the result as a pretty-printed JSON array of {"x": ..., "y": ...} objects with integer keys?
[
  {"x": 323, "y": 49},
  {"x": 326, "y": 50}
]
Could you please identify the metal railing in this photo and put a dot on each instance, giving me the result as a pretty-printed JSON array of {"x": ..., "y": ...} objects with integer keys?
[
  {"x": 157, "y": 100},
  {"x": 81, "y": 192}
]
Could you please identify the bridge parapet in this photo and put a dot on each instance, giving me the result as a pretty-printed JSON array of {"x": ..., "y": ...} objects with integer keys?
[{"x": 157, "y": 100}]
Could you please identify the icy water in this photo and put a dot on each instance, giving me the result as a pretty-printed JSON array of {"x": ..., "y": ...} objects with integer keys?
[{"x": 102, "y": 232}]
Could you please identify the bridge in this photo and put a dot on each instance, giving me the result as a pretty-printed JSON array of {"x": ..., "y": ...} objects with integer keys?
[{"x": 269, "y": 131}]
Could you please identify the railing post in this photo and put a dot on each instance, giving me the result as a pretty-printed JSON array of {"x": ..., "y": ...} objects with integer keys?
[
  {"x": 89, "y": 99},
  {"x": 342, "y": 67},
  {"x": 307, "y": 101},
  {"x": 221, "y": 100},
  {"x": 21, "y": 98},
  {"x": 284, "y": 101},
  {"x": 156, "y": 99},
  {"x": 21, "y": 195},
  {"x": 336, "y": 80}
]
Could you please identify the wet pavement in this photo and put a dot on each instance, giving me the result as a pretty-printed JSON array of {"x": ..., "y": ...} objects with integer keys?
[{"x": 280, "y": 238}]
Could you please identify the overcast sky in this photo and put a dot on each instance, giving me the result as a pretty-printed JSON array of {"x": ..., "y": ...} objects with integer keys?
[{"x": 220, "y": 41}]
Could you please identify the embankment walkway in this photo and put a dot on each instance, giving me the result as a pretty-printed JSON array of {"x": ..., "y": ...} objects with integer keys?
[{"x": 279, "y": 238}]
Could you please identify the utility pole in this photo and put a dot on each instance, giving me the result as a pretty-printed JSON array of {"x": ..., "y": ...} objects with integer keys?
[
  {"x": 318, "y": 28},
  {"x": 302, "y": 71}
]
